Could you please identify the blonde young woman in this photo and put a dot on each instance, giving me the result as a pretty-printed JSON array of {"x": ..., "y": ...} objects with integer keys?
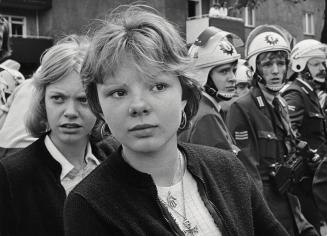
[
  {"x": 135, "y": 78},
  {"x": 34, "y": 182}
]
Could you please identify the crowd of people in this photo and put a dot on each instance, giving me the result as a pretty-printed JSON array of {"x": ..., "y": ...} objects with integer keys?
[{"x": 129, "y": 132}]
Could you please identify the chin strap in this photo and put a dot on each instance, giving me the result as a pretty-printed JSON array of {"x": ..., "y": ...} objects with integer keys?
[
  {"x": 216, "y": 94},
  {"x": 262, "y": 81}
]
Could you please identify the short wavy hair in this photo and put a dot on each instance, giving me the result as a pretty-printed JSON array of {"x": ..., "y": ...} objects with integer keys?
[
  {"x": 5, "y": 50},
  {"x": 139, "y": 33},
  {"x": 56, "y": 63}
]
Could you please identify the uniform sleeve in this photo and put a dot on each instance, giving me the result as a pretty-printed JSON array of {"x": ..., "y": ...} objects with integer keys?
[
  {"x": 242, "y": 132},
  {"x": 320, "y": 187},
  {"x": 295, "y": 109},
  {"x": 209, "y": 131},
  {"x": 80, "y": 219}
]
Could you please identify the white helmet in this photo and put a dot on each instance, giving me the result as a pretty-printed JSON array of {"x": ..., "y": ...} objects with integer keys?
[
  {"x": 304, "y": 51},
  {"x": 265, "y": 42},
  {"x": 243, "y": 73},
  {"x": 211, "y": 49}
]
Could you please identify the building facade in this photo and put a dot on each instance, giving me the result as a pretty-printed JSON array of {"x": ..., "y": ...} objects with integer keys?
[{"x": 37, "y": 24}]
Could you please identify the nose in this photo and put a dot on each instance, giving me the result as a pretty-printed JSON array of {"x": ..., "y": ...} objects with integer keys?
[
  {"x": 139, "y": 107},
  {"x": 232, "y": 77},
  {"x": 275, "y": 68},
  {"x": 71, "y": 110}
]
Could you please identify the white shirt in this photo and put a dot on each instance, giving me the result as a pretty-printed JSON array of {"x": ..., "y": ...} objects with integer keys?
[
  {"x": 70, "y": 176},
  {"x": 196, "y": 212}
]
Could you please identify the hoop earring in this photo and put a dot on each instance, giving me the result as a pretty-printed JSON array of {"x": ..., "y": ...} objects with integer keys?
[
  {"x": 183, "y": 121},
  {"x": 104, "y": 130}
]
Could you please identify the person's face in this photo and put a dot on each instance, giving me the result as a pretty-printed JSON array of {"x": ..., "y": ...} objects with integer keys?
[
  {"x": 317, "y": 68},
  {"x": 273, "y": 69},
  {"x": 143, "y": 113},
  {"x": 224, "y": 77},
  {"x": 241, "y": 89},
  {"x": 69, "y": 116}
]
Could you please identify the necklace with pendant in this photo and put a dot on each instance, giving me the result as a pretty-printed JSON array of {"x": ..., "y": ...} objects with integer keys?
[
  {"x": 172, "y": 200},
  {"x": 188, "y": 230}
]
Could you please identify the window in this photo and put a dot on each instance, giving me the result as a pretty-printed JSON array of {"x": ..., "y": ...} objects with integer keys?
[
  {"x": 17, "y": 26},
  {"x": 308, "y": 23},
  {"x": 194, "y": 8},
  {"x": 249, "y": 16}
]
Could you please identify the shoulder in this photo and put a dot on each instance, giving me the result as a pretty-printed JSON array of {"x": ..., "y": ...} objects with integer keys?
[
  {"x": 24, "y": 162},
  {"x": 292, "y": 88},
  {"x": 209, "y": 156},
  {"x": 245, "y": 103},
  {"x": 100, "y": 178}
]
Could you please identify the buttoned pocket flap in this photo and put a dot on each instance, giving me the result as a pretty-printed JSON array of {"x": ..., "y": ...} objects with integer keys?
[
  {"x": 266, "y": 134},
  {"x": 317, "y": 115}
]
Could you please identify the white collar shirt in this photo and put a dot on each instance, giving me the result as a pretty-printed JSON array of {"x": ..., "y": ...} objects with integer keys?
[{"x": 70, "y": 176}]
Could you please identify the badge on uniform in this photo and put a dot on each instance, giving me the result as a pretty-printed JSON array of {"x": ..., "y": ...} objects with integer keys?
[
  {"x": 291, "y": 108},
  {"x": 241, "y": 135}
]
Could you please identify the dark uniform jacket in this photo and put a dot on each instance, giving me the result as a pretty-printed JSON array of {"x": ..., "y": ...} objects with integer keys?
[
  {"x": 116, "y": 199},
  {"x": 320, "y": 187},
  {"x": 306, "y": 114},
  {"x": 266, "y": 138},
  {"x": 31, "y": 194},
  {"x": 309, "y": 124},
  {"x": 207, "y": 127}
]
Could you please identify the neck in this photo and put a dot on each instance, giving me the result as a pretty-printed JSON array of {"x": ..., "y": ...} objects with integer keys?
[
  {"x": 73, "y": 152},
  {"x": 269, "y": 95},
  {"x": 160, "y": 164}
]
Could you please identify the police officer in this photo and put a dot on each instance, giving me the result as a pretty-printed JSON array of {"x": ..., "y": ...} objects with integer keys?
[
  {"x": 215, "y": 61},
  {"x": 243, "y": 78},
  {"x": 260, "y": 124},
  {"x": 307, "y": 117}
]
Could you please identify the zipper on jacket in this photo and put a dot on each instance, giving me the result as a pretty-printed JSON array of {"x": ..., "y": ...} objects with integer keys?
[
  {"x": 170, "y": 223},
  {"x": 211, "y": 205}
]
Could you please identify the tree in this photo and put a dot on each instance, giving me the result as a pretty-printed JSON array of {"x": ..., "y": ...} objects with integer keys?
[{"x": 256, "y": 3}]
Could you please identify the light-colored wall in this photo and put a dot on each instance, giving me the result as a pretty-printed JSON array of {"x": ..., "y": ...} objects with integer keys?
[
  {"x": 76, "y": 16},
  {"x": 290, "y": 16}
]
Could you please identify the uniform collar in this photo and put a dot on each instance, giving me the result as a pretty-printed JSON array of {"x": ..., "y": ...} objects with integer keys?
[{"x": 304, "y": 83}]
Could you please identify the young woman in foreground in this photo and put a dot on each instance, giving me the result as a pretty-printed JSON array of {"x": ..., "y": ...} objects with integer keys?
[{"x": 135, "y": 79}]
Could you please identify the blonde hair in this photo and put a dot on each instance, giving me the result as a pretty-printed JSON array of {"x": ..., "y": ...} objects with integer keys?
[
  {"x": 56, "y": 63},
  {"x": 139, "y": 33}
]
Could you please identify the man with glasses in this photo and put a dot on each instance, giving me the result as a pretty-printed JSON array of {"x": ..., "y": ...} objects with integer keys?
[{"x": 308, "y": 59}]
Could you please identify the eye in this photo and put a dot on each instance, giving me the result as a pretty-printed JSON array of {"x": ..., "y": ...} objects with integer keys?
[
  {"x": 57, "y": 98},
  {"x": 159, "y": 87},
  {"x": 281, "y": 63},
  {"x": 82, "y": 100},
  {"x": 118, "y": 93},
  {"x": 267, "y": 64}
]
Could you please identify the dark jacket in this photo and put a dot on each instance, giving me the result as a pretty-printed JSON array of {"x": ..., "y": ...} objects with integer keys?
[
  {"x": 266, "y": 138},
  {"x": 116, "y": 199},
  {"x": 207, "y": 127},
  {"x": 31, "y": 194},
  {"x": 320, "y": 187},
  {"x": 308, "y": 121},
  {"x": 306, "y": 114}
]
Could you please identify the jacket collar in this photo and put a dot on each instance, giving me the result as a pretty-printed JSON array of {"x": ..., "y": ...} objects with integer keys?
[
  {"x": 122, "y": 170},
  {"x": 261, "y": 102}
]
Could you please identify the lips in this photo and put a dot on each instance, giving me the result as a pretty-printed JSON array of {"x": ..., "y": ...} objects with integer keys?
[
  {"x": 70, "y": 125},
  {"x": 142, "y": 127}
]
